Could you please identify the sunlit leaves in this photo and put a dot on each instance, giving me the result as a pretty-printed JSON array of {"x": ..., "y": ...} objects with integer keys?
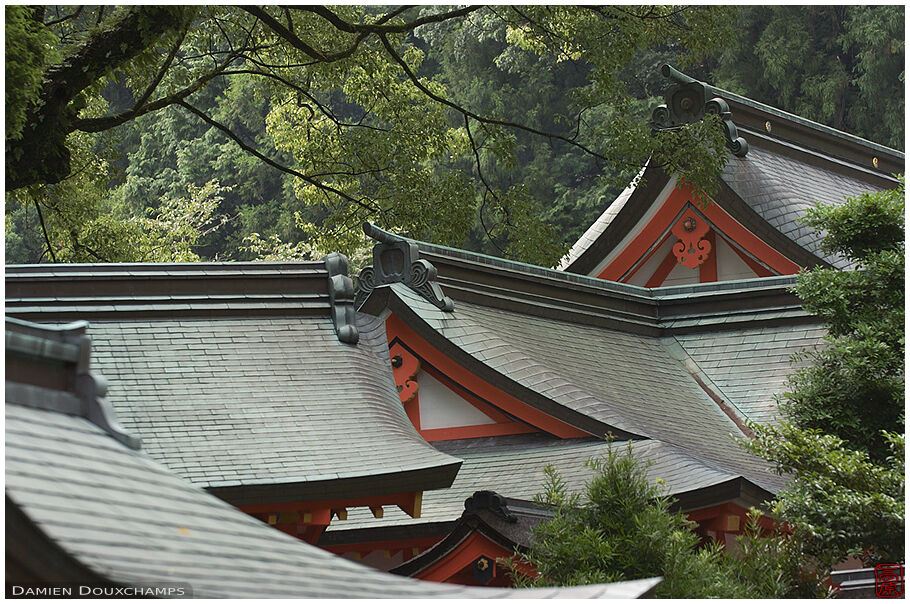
[
  {"x": 621, "y": 528},
  {"x": 30, "y": 47},
  {"x": 842, "y": 442}
]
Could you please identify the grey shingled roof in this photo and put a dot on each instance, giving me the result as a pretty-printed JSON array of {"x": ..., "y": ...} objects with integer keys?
[
  {"x": 128, "y": 519},
  {"x": 792, "y": 165},
  {"x": 515, "y": 464},
  {"x": 624, "y": 380},
  {"x": 781, "y": 189},
  {"x": 262, "y": 401},
  {"x": 751, "y": 366}
]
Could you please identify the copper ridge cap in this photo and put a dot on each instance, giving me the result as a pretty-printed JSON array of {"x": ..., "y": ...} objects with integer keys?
[
  {"x": 532, "y": 270},
  {"x": 669, "y": 72}
]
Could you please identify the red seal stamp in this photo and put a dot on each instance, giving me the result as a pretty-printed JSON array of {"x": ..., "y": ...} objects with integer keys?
[{"x": 889, "y": 580}]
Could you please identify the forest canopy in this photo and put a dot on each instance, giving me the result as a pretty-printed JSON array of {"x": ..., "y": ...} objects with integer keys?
[{"x": 149, "y": 133}]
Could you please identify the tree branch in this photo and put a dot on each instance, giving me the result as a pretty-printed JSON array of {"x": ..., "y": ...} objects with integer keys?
[
  {"x": 322, "y": 108},
  {"x": 41, "y": 155},
  {"x": 47, "y": 239},
  {"x": 316, "y": 183},
  {"x": 483, "y": 120},
  {"x": 72, "y": 15},
  {"x": 467, "y": 126},
  {"x": 296, "y": 42},
  {"x": 376, "y": 28},
  {"x": 99, "y": 124},
  {"x": 160, "y": 75}
]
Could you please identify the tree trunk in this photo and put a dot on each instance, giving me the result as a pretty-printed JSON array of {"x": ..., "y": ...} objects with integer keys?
[{"x": 40, "y": 155}]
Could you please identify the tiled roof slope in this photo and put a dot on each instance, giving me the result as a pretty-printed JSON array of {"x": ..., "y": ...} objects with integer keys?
[
  {"x": 129, "y": 520},
  {"x": 515, "y": 464},
  {"x": 781, "y": 189},
  {"x": 234, "y": 377},
  {"x": 792, "y": 165},
  {"x": 750, "y": 366},
  {"x": 623, "y": 380},
  {"x": 262, "y": 401}
]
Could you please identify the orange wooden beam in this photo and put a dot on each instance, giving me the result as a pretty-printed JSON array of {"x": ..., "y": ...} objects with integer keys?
[
  {"x": 389, "y": 545},
  {"x": 396, "y": 328},
  {"x": 663, "y": 220},
  {"x": 325, "y": 506},
  {"x": 473, "y": 547},
  {"x": 663, "y": 271}
]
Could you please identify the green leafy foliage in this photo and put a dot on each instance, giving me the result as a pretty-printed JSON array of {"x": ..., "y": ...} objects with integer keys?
[
  {"x": 30, "y": 47},
  {"x": 839, "y": 65},
  {"x": 773, "y": 563},
  {"x": 623, "y": 529},
  {"x": 504, "y": 129},
  {"x": 854, "y": 387},
  {"x": 342, "y": 102},
  {"x": 841, "y": 503},
  {"x": 842, "y": 441}
]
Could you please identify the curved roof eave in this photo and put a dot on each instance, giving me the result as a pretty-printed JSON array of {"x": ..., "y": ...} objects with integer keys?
[
  {"x": 112, "y": 513},
  {"x": 399, "y": 301}
]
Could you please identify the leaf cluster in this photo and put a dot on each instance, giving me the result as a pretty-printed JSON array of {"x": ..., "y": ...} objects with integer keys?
[
  {"x": 30, "y": 47},
  {"x": 622, "y": 528},
  {"x": 841, "y": 503},
  {"x": 842, "y": 442},
  {"x": 838, "y": 65},
  {"x": 854, "y": 387}
]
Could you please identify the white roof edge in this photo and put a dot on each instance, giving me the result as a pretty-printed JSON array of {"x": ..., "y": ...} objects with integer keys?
[{"x": 600, "y": 225}]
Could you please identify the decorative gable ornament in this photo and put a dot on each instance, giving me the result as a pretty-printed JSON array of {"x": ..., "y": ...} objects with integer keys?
[
  {"x": 396, "y": 260},
  {"x": 691, "y": 250},
  {"x": 404, "y": 367},
  {"x": 492, "y": 501},
  {"x": 687, "y": 102}
]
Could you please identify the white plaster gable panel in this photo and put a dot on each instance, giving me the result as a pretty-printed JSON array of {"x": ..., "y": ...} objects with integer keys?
[
  {"x": 681, "y": 275},
  {"x": 643, "y": 274},
  {"x": 730, "y": 266},
  {"x": 440, "y": 407}
]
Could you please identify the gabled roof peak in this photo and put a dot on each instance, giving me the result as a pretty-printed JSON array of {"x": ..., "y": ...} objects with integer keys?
[{"x": 396, "y": 260}]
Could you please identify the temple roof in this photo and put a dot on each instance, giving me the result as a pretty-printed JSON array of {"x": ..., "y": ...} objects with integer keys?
[
  {"x": 265, "y": 408},
  {"x": 260, "y": 404},
  {"x": 749, "y": 367},
  {"x": 254, "y": 407},
  {"x": 515, "y": 465},
  {"x": 792, "y": 164},
  {"x": 627, "y": 382},
  {"x": 83, "y": 507},
  {"x": 781, "y": 189}
]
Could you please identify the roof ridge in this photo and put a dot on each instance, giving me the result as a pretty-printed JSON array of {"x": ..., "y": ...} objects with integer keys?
[
  {"x": 727, "y": 95},
  {"x": 160, "y": 266},
  {"x": 689, "y": 100}
]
